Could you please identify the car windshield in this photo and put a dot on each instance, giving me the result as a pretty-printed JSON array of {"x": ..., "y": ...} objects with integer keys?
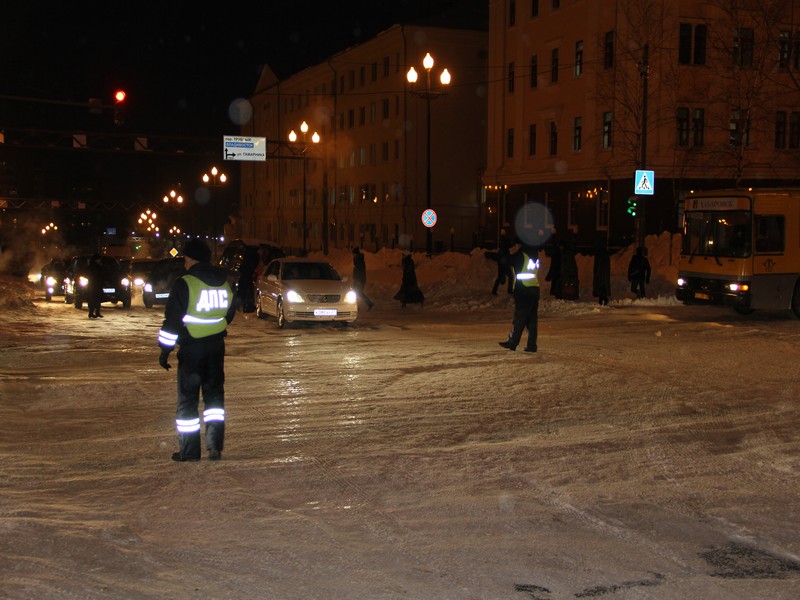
[{"x": 309, "y": 270}]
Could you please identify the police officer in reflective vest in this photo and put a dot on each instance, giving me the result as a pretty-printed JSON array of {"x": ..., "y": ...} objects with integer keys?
[
  {"x": 525, "y": 262},
  {"x": 196, "y": 317}
]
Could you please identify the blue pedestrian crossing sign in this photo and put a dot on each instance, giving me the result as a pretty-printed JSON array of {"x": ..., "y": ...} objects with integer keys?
[{"x": 644, "y": 183}]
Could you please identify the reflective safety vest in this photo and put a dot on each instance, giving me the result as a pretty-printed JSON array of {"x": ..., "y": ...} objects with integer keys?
[
  {"x": 208, "y": 307},
  {"x": 529, "y": 276}
]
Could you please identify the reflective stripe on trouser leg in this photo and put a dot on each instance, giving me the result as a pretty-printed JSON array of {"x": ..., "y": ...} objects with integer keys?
[{"x": 215, "y": 428}]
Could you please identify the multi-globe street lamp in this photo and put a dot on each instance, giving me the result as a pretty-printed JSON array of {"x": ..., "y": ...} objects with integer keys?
[
  {"x": 215, "y": 179},
  {"x": 428, "y": 93},
  {"x": 302, "y": 147}
]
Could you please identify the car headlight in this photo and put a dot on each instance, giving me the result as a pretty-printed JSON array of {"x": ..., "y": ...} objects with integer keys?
[
  {"x": 83, "y": 281},
  {"x": 681, "y": 282},
  {"x": 147, "y": 287},
  {"x": 738, "y": 287},
  {"x": 292, "y": 296},
  {"x": 138, "y": 282},
  {"x": 125, "y": 282},
  {"x": 50, "y": 281},
  {"x": 351, "y": 297}
]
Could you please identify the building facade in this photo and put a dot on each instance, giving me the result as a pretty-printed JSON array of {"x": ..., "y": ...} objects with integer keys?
[
  {"x": 382, "y": 145},
  {"x": 583, "y": 93}
]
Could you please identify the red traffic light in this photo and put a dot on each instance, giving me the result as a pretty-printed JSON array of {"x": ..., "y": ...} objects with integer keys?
[{"x": 119, "y": 96}]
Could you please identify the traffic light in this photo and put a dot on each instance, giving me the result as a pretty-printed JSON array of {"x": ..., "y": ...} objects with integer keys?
[
  {"x": 119, "y": 107},
  {"x": 633, "y": 206}
]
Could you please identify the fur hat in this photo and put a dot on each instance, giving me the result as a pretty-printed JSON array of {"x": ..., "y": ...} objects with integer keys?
[{"x": 198, "y": 250}]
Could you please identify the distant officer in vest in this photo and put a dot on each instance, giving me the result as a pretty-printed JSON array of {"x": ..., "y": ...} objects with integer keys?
[
  {"x": 199, "y": 309},
  {"x": 525, "y": 265}
]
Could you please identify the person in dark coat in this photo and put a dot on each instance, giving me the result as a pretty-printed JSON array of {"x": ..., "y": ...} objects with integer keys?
[
  {"x": 568, "y": 276},
  {"x": 360, "y": 276},
  {"x": 200, "y": 307},
  {"x": 94, "y": 274},
  {"x": 639, "y": 272},
  {"x": 554, "y": 272},
  {"x": 601, "y": 281},
  {"x": 245, "y": 288},
  {"x": 504, "y": 272},
  {"x": 525, "y": 263},
  {"x": 409, "y": 292}
]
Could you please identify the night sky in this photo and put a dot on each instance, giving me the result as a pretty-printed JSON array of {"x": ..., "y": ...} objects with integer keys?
[{"x": 183, "y": 63}]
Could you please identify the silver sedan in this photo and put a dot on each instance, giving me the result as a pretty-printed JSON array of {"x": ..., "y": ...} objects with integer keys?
[{"x": 304, "y": 289}]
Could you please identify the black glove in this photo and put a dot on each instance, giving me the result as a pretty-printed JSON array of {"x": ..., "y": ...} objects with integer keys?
[{"x": 162, "y": 360}]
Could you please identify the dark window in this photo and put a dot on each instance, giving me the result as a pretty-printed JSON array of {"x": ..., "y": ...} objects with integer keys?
[
  {"x": 374, "y": 71},
  {"x": 578, "y": 58},
  {"x": 770, "y": 233},
  {"x": 743, "y": 43},
  {"x": 531, "y": 139},
  {"x": 577, "y": 128},
  {"x": 698, "y": 126},
  {"x": 556, "y": 4},
  {"x": 780, "y": 129},
  {"x": 739, "y": 128},
  {"x": 783, "y": 49},
  {"x": 606, "y": 130},
  {"x": 553, "y": 138},
  {"x": 534, "y": 8},
  {"x": 554, "y": 65},
  {"x": 385, "y": 106},
  {"x": 512, "y": 12},
  {"x": 794, "y": 130},
  {"x": 362, "y": 115},
  {"x": 682, "y": 126},
  {"x": 351, "y": 118},
  {"x": 511, "y": 78},
  {"x": 700, "y": 37},
  {"x": 534, "y": 71},
  {"x": 608, "y": 50},
  {"x": 684, "y": 44},
  {"x": 796, "y": 51},
  {"x": 385, "y": 66},
  {"x": 510, "y": 143}
]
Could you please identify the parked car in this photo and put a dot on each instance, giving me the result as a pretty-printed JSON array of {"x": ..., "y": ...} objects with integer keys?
[
  {"x": 52, "y": 278},
  {"x": 116, "y": 284},
  {"x": 139, "y": 270},
  {"x": 162, "y": 277},
  {"x": 303, "y": 289}
]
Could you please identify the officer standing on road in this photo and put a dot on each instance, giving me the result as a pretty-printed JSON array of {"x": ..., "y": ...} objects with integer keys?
[
  {"x": 525, "y": 262},
  {"x": 199, "y": 309}
]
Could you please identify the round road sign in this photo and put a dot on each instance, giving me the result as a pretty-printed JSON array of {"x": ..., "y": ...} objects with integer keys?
[{"x": 429, "y": 217}]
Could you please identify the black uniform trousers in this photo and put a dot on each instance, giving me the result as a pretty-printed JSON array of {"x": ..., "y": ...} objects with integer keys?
[
  {"x": 526, "y": 315},
  {"x": 201, "y": 367}
]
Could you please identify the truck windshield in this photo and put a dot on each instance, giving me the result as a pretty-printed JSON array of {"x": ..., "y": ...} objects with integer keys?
[{"x": 717, "y": 233}]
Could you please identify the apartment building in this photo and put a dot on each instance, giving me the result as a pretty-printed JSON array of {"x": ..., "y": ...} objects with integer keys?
[
  {"x": 583, "y": 93},
  {"x": 386, "y": 150}
]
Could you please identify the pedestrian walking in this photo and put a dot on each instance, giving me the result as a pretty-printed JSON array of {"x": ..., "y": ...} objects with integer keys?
[
  {"x": 639, "y": 272},
  {"x": 200, "y": 307},
  {"x": 601, "y": 280},
  {"x": 360, "y": 276},
  {"x": 525, "y": 262},
  {"x": 94, "y": 274},
  {"x": 504, "y": 273},
  {"x": 409, "y": 292}
]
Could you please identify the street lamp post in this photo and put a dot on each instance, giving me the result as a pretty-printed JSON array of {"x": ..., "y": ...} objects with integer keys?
[
  {"x": 303, "y": 147},
  {"x": 216, "y": 179},
  {"x": 428, "y": 94}
]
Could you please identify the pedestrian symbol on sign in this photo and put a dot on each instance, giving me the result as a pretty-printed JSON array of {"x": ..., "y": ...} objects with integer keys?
[{"x": 644, "y": 183}]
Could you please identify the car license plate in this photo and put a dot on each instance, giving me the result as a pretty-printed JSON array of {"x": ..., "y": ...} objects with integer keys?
[
  {"x": 701, "y": 296},
  {"x": 109, "y": 290},
  {"x": 324, "y": 312}
]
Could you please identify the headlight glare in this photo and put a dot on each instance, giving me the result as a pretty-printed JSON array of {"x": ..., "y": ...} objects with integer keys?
[
  {"x": 292, "y": 296},
  {"x": 83, "y": 281},
  {"x": 351, "y": 297}
]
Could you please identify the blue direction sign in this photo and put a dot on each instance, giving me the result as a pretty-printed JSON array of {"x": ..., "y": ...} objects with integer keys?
[
  {"x": 238, "y": 147},
  {"x": 429, "y": 217},
  {"x": 644, "y": 183}
]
